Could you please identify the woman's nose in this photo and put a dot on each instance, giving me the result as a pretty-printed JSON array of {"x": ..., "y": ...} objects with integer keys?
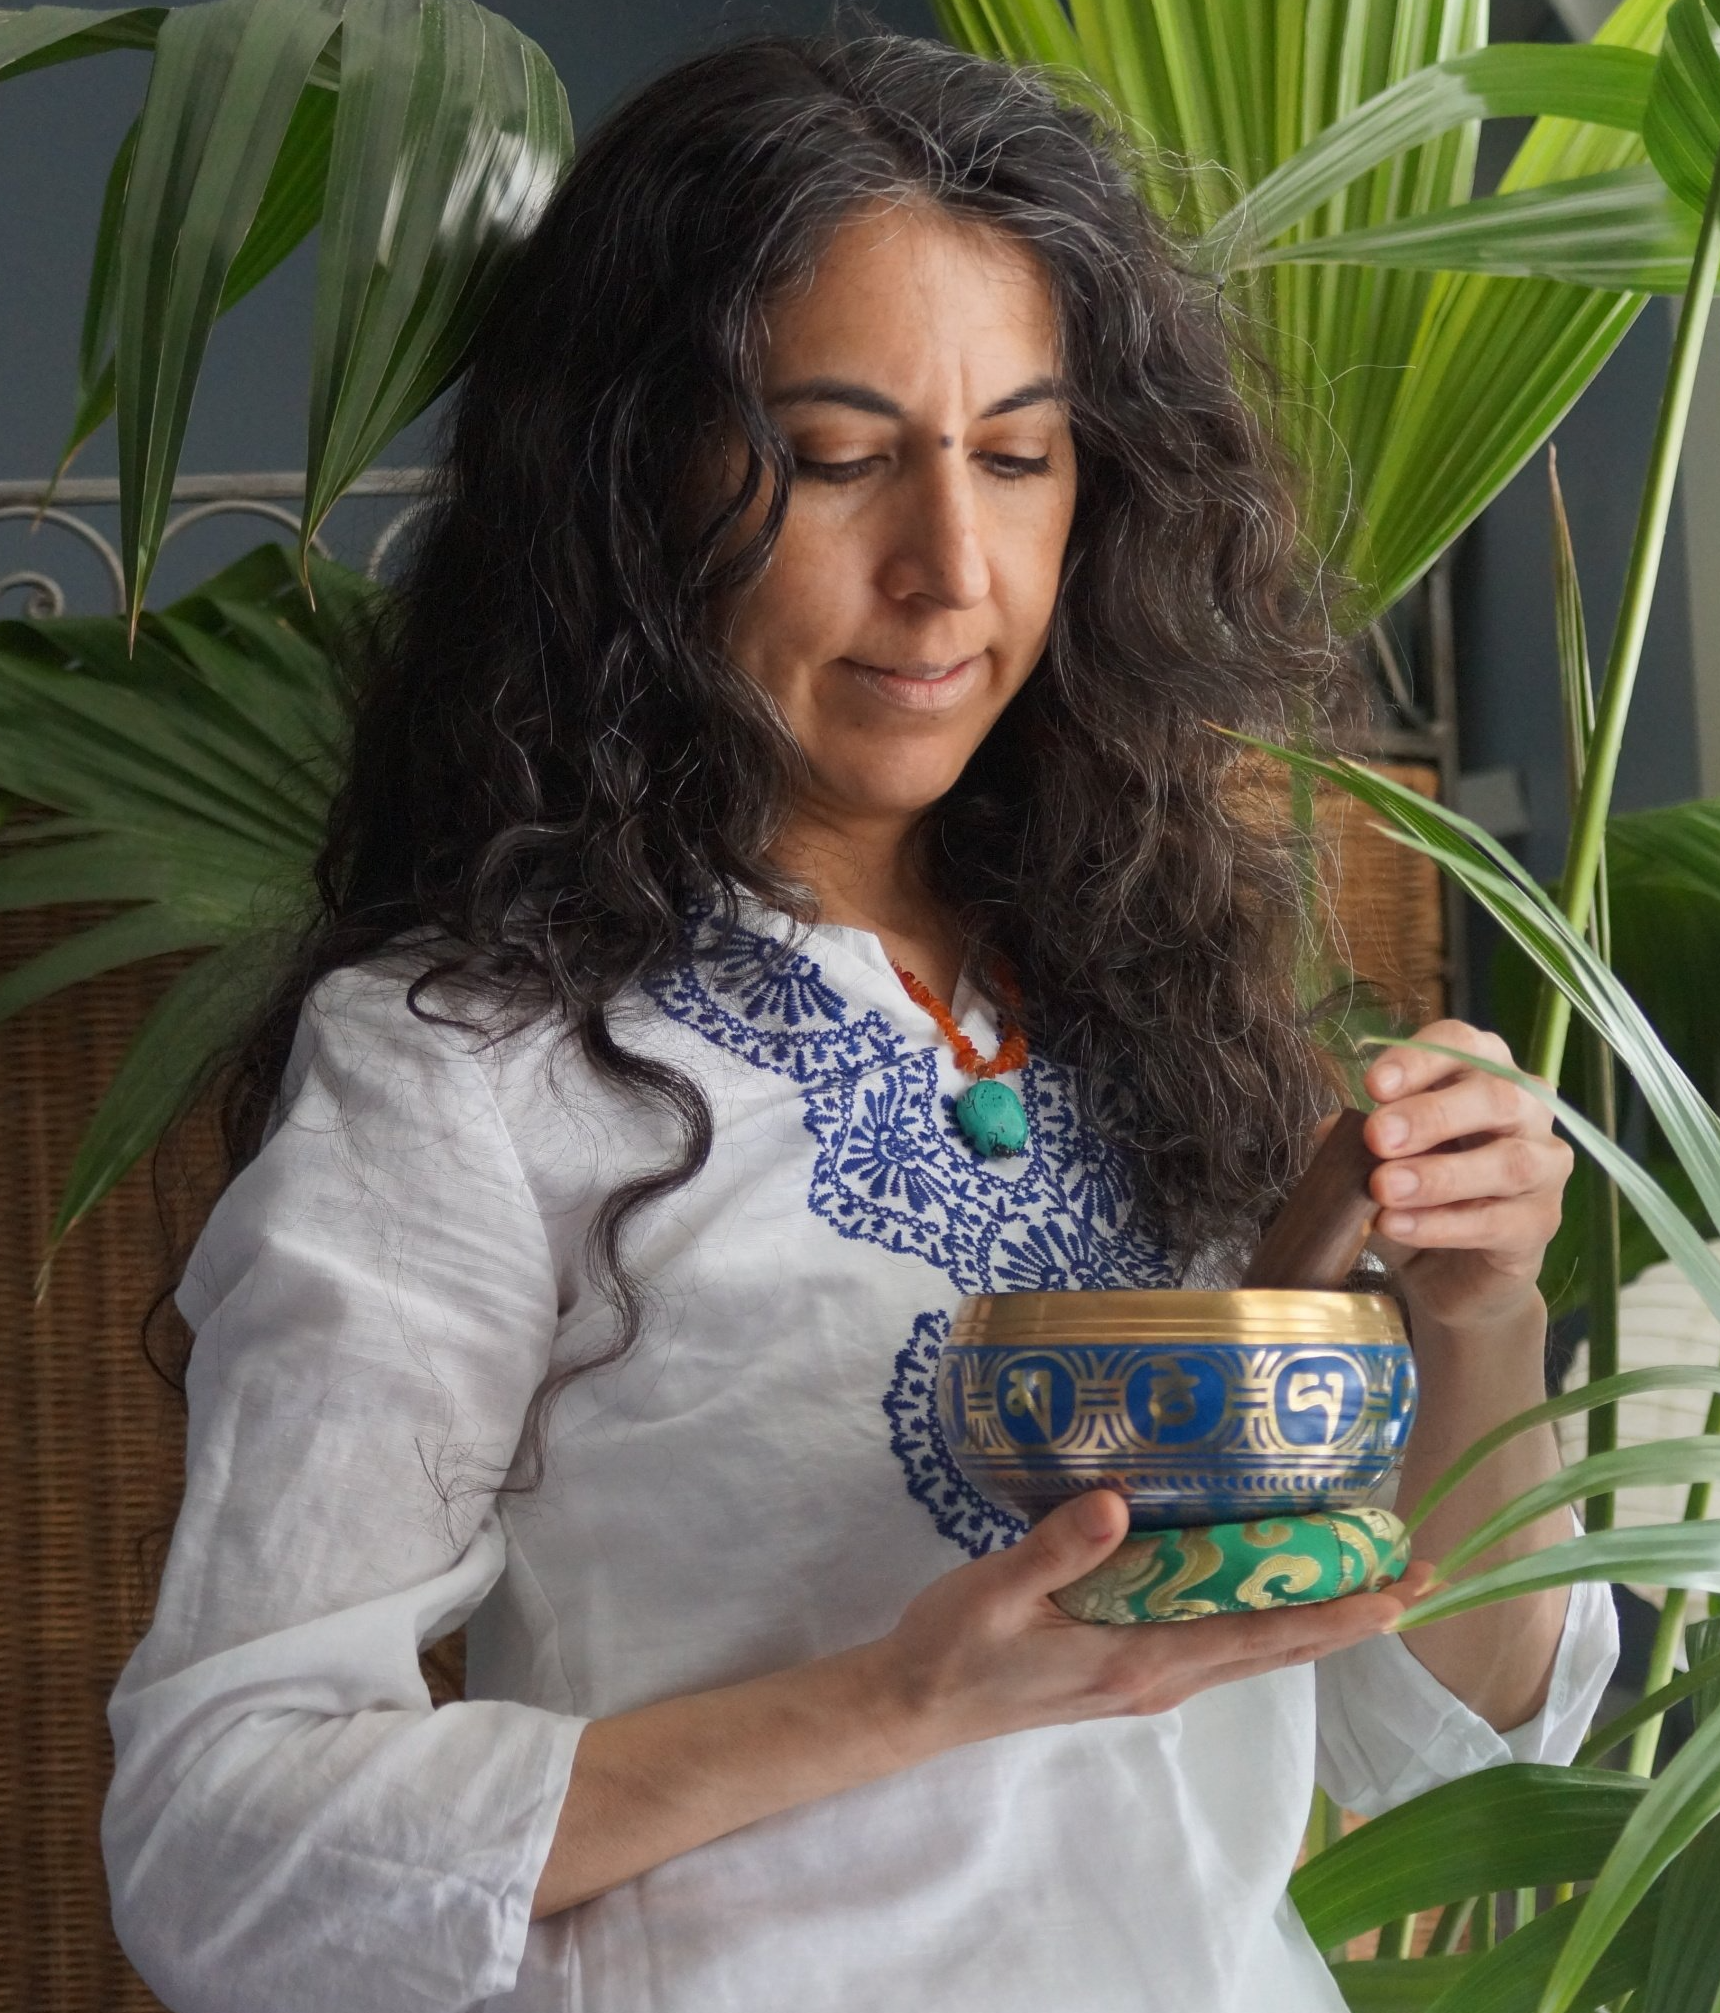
[{"x": 938, "y": 548}]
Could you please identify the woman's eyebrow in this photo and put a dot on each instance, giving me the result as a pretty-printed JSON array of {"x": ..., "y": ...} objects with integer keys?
[
  {"x": 863, "y": 398},
  {"x": 1041, "y": 391}
]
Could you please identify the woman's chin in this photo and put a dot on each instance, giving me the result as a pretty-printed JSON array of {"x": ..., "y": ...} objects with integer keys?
[{"x": 892, "y": 793}]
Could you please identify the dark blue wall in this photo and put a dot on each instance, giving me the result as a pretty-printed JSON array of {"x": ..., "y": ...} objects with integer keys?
[
  {"x": 1508, "y": 675},
  {"x": 1507, "y": 655}
]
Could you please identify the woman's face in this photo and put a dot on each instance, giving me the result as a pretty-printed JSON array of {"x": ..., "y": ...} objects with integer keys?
[{"x": 911, "y": 590}]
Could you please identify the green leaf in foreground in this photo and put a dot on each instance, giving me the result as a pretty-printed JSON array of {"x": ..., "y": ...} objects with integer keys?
[
  {"x": 1675, "y": 1809},
  {"x": 1663, "y": 1555},
  {"x": 1684, "y": 1976},
  {"x": 1520, "y": 1825},
  {"x": 1693, "y": 1457},
  {"x": 1681, "y": 125},
  {"x": 451, "y": 133},
  {"x": 1586, "y": 81},
  {"x": 1606, "y": 1390},
  {"x": 1619, "y": 232},
  {"x": 1397, "y": 1984},
  {"x": 226, "y": 81},
  {"x": 35, "y": 37},
  {"x": 121, "y": 940}
]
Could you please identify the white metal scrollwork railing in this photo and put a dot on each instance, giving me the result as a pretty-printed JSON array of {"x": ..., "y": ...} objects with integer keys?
[{"x": 197, "y": 498}]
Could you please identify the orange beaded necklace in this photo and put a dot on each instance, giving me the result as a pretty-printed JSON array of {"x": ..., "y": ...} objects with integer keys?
[
  {"x": 1012, "y": 1050},
  {"x": 990, "y": 1115}
]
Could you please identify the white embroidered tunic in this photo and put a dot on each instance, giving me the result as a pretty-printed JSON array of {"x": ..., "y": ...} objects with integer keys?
[{"x": 760, "y": 1481}]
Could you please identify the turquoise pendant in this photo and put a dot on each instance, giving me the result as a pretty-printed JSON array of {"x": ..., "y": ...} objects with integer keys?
[{"x": 991, "y": 1116}]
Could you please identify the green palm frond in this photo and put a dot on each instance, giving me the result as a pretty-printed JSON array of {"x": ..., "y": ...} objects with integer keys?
[
  {"x": 188, "y": 781},
  {"x": 1322, "y": 152},
  {"x": 1685, "y": 1800},
  {"x": 1663, "y": 872},
  {"x": 1505, "y": 1827},
  {"x": 423, "y": 136}
]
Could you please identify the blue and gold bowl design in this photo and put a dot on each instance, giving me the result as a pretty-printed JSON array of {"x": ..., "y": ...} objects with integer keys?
[{"x": 1198, "y": 1408}]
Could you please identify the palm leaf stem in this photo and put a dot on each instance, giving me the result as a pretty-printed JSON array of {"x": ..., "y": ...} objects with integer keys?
[
  {"x": 1448, "y": 1930},
  {"x": 1588, "y": 831},
  {"x": 1325, "y": 1821},
  {"x": 1325, "y": 1828},
  {"x": 1645, "y": 1742},
  {"x": 1396, "y": 1937},
  {"x": 1669, "y": 1630},
  {"x": 1601, "y": 1265},
  {"x": 1601, "y": 1257},
  {"x": 1605, "y": 1738}
]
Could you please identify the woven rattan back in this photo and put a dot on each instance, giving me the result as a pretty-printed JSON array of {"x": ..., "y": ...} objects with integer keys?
[
  {"x": 1388, "y": 922},
  {"x": 91, "y": 1462},
  {"x": 91, "y": 1468}
]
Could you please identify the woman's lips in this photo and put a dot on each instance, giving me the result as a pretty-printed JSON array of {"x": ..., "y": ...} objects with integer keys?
[{"x": 917, "y": 687}]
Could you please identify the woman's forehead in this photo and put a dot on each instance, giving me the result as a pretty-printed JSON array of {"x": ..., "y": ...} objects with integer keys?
[{"x": 900, "y": 285}]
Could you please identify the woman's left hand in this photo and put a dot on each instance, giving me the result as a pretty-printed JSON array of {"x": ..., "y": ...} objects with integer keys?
[{"x": 1472, "y": 1181}]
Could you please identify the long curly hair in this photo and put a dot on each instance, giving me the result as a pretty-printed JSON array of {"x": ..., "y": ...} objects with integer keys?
[{"x": 553, "y": 762}]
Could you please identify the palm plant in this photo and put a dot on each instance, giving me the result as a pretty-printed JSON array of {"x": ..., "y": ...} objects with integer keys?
[
  {"x": 1663, "y": 872},
  {"x": 422, "y": 136},
  {"x": 1322, "y": 154},
  {"x": 1321, "y": 151},
  {"x": 189, "y": 767},
  {"x": 188, "y": 757}
]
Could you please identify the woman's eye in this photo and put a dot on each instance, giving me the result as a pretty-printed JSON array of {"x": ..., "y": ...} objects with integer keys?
[
  {"x": 1011, "y": 467},
  {"x": 835, "y": 471}
]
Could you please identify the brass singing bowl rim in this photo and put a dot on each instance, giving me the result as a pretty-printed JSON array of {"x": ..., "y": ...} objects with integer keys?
[{"x": 1239, "y": 1315}]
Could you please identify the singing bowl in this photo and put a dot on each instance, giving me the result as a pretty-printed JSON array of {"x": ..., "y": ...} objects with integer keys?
[{"x": 1198, "y": 1408}]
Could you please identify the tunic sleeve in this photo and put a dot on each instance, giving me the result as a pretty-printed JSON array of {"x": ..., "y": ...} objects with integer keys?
[
  {"x": 1387, "y": 1728},
  {"x": 290, "y": 1822}
]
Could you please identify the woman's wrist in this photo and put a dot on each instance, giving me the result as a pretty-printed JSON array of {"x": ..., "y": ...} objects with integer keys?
[
  {"x": 1514, "y": 1330},
  {"x": 890, "y": 1717}
]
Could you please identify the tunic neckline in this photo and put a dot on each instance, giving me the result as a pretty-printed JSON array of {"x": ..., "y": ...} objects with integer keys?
[{"x": 971, "y": 1007}]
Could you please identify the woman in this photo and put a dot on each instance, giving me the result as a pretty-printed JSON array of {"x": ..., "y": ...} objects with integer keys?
[{"x": 798, "y": 705}]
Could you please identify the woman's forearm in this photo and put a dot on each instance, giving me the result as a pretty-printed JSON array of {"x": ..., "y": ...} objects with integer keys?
[
  {"x": 651, "y": 1784},
  {"x": 1498, "y": 1659}
]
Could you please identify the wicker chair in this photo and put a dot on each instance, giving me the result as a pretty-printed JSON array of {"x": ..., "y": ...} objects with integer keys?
[{"x": 93, "y": 1457}]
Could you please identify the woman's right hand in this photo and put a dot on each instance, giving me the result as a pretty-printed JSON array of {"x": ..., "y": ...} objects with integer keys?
[{"x": 985, "y": 1650}]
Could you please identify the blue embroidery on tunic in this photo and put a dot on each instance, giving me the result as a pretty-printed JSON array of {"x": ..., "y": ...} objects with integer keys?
[
  {"x": 891, "y": 1170},
  {"x": 958, "y": 1509}
]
